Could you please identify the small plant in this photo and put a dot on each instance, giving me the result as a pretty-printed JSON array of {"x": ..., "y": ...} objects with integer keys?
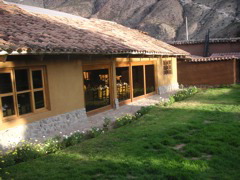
[
  {"x": 74, "y": 139},
  {"x": 52, "y": 145},
  {"x": 143, "y": 110},
  {"x": 94, "y": 132},
  {"x": 106, "y": 123},
  {"x": 124, "y": 120},
  {"x": 170, "y": 101},
  {"x": 183, "y": 94}
]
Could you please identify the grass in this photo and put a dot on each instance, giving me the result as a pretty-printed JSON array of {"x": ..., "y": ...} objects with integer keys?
[{"x": 194, "y": 139}]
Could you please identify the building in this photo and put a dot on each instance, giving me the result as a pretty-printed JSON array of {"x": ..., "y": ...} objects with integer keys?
[
  {"x": 58, "y": 69},
  {"x": 214, "y": 62}
]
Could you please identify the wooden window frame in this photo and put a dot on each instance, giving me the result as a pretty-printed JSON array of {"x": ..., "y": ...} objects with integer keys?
[
  {"x": 130, "y": 65},
  {"x": 167, "y": 67},
  {"x": 31, "y": 90},
  {"x": 111, "y": 91}
]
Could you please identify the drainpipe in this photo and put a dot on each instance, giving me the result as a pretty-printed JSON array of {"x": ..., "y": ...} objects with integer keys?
[{"x": 206, "y": 47}]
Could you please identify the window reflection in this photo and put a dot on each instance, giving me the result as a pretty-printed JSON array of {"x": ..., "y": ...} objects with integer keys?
[
  {"x": 150, "y": 80},
  {"x": 8, "y": 106},
  {"x": 138, "y": 81},
  {"x": 24, "y": 103},
  {"x": 5, "y": 83},
  {"x": 37, "y": 79},
  {"x": 123, "y": 88},
  {"x": 22, "y": 81},
  {"x": 39, "y": 99},
  {"x": 96, "y": 88}
]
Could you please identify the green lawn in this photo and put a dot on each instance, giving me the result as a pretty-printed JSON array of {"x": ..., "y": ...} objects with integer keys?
[{"x": 194, "y": 139}]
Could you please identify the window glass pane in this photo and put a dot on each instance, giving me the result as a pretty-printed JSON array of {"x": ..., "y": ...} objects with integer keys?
[
  {"x": 21, "y": 76},
  {"x": 8, "y": 106},
  {"x": 123, "y": 88},
  {"x": 39, "y": 99},
  {"x": 37, "y": 79},
  {"x": 96, "y": 88},
  {"x": 5, "y": 83},
  {"x": 150, "y": 80},
  {"x": 24, "y": 103},
  {"x": 138, "y": 81}
]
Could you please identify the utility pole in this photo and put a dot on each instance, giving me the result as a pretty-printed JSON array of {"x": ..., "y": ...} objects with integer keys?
[
  {"x": 206, "y": 48},
  {"x": 186, "y": 28}
]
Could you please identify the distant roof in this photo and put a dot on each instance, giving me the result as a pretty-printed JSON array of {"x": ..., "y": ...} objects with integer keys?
[
  {"x": 214, "y": 57},
  {"x": 31, "y": 30},
  {"x": 216, "y": 40}
]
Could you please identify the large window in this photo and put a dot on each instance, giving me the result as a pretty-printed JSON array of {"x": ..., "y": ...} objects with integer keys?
[
  {"x": 150, "y": 79},
  {"x": 22, "y": 91},
  {"x": 134, "y": 80},
  {"x": 96, "y": 88},
  {"x": 138, "y": 81},
  {"x": 123, "y": 85}
]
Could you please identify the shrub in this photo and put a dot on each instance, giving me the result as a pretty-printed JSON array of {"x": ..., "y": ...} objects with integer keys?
[
  {"x": 183, "y": 94},
  {"x": 94, "y": 132},
  {"x": 143, "y": 110},
  {"x": 124, "y": 120},
  {"x": 74, "y": 139},
  {"x": 170, "y": 101},
  {"x": 52, "y": 145},
  {"x": 25, "y": 152}
]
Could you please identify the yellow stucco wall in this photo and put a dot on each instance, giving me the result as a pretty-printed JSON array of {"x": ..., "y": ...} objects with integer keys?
[
  {"x": 65, "y": 80},
  {"x": 167, "y": 79},
  {"x": 65, "y": 86}
]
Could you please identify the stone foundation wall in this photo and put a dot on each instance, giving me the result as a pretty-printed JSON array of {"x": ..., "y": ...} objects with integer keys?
[
  {"x": 168, "y": 88},
  {"x": 48, "y": 127}
]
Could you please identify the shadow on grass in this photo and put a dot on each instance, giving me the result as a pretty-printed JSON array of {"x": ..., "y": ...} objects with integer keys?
[
  {"x": 144, "y": 149},
  {"x": 109, "y": 167}
]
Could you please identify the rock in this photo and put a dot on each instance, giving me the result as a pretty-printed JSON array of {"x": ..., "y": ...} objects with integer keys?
[{"x": 163, "y": 19}]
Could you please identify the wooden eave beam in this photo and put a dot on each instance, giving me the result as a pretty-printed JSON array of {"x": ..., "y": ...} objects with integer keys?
[{"x": 3, "y": 58}]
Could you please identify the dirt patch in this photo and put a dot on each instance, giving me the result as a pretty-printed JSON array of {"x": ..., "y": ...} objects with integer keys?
[
  {"x": 204, "y": 156},
  {"x": 208, "y": 122},
  {"x": 207, "y": 156},
  {"x": 195, "y": 158},
  {"x": 179, "y": 146}
]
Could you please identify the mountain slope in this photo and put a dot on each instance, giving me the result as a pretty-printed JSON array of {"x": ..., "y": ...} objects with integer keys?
[{"x": 163, "y": 19}]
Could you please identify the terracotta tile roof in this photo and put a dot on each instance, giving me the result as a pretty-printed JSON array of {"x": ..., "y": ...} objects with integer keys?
[
  {"x": 230, "y": 54},
  {"x": 212, "y": 41},
  {"x": 27, "y": 32},
  {"x": 214, "y": 57}
]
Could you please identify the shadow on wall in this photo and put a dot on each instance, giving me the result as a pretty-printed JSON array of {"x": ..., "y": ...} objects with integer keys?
[{"x": 72, "y": 122}]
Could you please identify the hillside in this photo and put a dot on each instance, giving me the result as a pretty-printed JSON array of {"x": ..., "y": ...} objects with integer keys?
[{"x": 163, "y": 19}]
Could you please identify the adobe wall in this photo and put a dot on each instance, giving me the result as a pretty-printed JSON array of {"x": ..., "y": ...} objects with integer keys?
[
  {"x": 206, "y": 73},
  {"x": 198, "y": 49}
]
